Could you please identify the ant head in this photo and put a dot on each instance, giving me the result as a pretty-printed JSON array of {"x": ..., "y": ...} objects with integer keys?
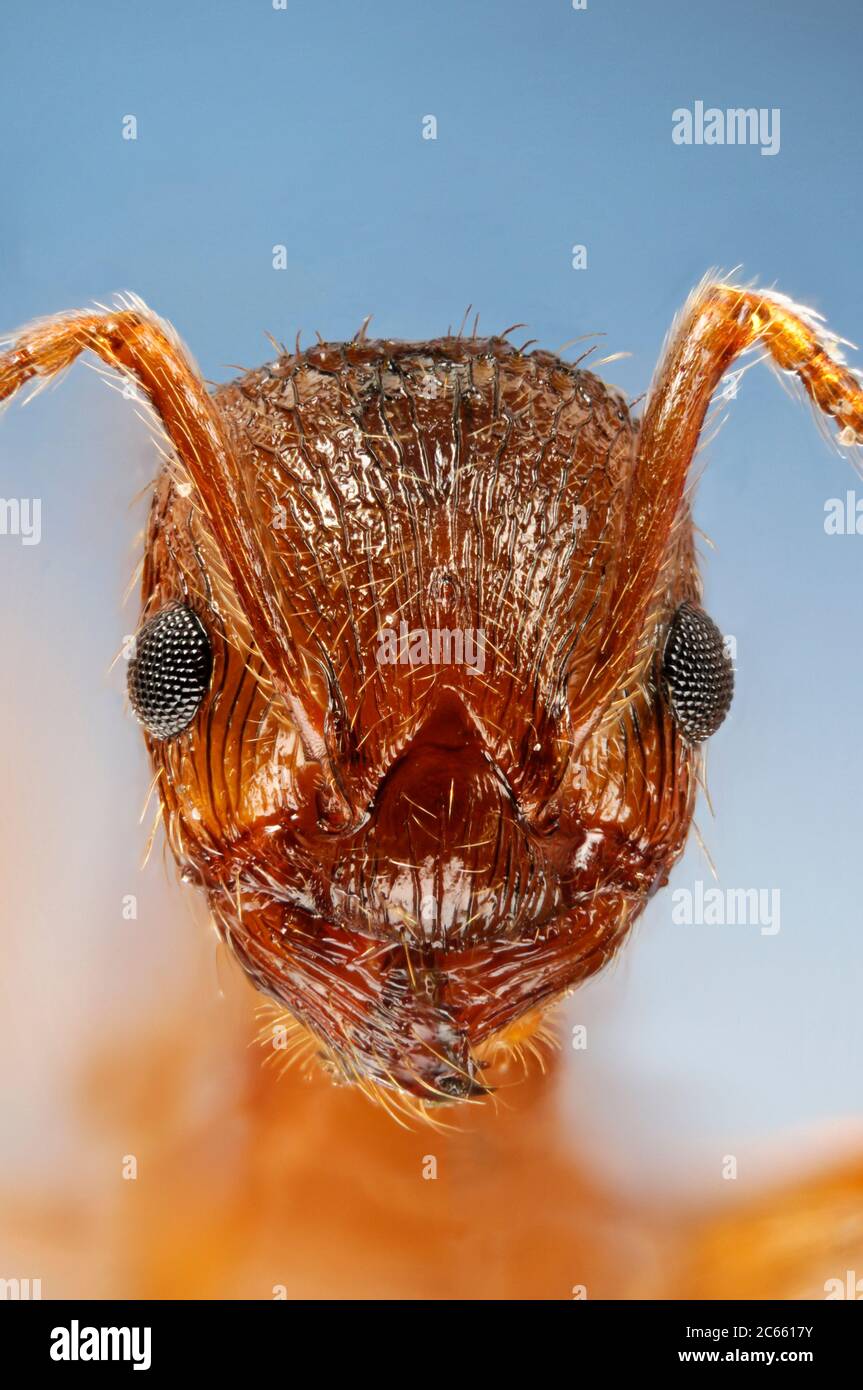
[
  {"x": 403, "y": 830},
  {"x": 456, "y": 487}
]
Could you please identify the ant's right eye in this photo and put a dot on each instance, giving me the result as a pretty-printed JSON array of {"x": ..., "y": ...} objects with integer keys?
[
  {"x": 698, "y": 673},
  {"x": 170, "y": 672}
]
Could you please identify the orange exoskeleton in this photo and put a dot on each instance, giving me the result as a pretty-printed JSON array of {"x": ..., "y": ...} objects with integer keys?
[{"x": 422, "y": 668}]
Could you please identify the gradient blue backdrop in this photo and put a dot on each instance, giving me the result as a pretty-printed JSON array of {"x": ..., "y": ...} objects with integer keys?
[{"x": 303, "y": 127}]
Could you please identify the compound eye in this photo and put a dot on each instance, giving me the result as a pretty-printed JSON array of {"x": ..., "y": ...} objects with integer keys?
[
  {"x": 170, "y": 672},
  {"x": 698, "y": 674}
]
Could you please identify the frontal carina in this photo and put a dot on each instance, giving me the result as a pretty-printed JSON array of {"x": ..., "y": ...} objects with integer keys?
[{"x": 422, "y": 667}]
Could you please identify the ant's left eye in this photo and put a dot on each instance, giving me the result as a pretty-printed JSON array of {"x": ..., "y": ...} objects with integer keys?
[
  {"x": 698, "y": 673},
  {"x": 170, "y": 671}
]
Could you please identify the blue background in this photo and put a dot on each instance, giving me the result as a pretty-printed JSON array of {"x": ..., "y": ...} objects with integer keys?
[{"x": 303, "y": 127}]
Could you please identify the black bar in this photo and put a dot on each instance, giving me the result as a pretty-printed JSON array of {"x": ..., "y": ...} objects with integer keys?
[{"x": 225, "y": 1337}]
